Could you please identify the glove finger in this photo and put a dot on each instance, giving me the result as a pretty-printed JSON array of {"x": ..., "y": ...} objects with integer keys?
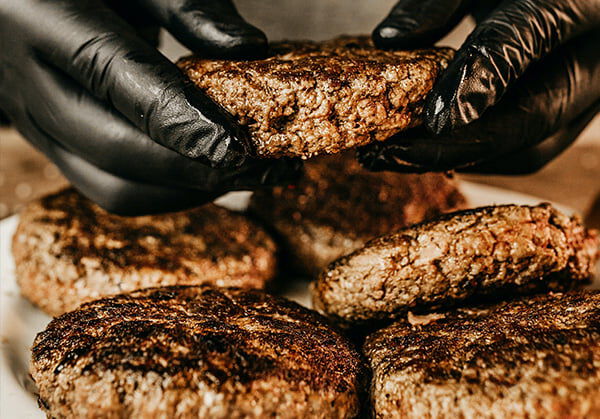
[
  {"x": 531, "y": 160},
  {"x": 548, "y": 98},
  {"x": 521, "y": 162},
  {"x": 145, "y": 25},
  {"x": 87, "y": 127},
  {"x": 498, "y": 52},
  {"x": 114, "y": 194},
  {"x": 481, "y": 9},
  {"x": 122, "y": 196},
  {"x": 209, "y": 27},
  {"x": 101, "y": 52},
  {"x": 417, "y": 23},
  {"x": 414, "y": 151}
]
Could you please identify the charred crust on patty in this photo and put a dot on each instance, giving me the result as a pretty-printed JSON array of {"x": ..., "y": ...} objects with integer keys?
[
  {"x": 68, "y": 250},
  {"x": 194, "y": 339},
  {"x": 533, "y": 357}
]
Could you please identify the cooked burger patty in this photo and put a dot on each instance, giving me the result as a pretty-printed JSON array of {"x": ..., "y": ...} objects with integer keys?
[
  {"x": 475, "y": 253},
  {"x": 68, "y": 250},
  {"x": 312, "y": 98},
  {"x": 338, "y": 206},
  {"x": 538, "y": 357},
  {"x": 195, "y": 352}
]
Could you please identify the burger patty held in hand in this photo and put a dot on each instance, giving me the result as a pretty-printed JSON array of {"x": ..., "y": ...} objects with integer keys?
[
  {"x": 338, "y": 206},
  {"x": 68, "y": 251},
  {"x": 484, "y": 252},
  {"x": 195, "y": 352},
  {"x": 312, "y": 98},
  {"x": 536, "y": 357}
]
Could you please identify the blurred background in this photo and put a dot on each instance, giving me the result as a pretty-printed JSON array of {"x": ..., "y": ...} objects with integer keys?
[{"x": 573, "y": 179}]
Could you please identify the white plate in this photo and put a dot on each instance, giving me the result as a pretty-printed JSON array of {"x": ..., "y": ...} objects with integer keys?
[{"x": 20, "y": 321}]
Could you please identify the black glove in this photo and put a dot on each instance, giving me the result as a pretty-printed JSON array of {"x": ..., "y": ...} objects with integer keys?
[
  {"x": 519, "y": 91},
  {"x": 81, "y": 83}
]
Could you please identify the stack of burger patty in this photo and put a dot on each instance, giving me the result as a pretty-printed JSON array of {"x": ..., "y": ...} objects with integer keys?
[
  {"x": 423, "y": 308},
  {"x": 475, "y": 314}
]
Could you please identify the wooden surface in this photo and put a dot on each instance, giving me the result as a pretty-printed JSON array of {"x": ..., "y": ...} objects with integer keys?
[{"x": 572, "y": 179}]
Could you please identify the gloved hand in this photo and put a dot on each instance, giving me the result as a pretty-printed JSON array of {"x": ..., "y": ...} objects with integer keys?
[
  {"x": 518, "y": 92},
  {"x": 120, "y": 120}
]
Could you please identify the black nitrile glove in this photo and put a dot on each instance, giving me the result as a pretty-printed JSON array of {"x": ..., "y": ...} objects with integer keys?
[
  {"x": 83, "y": 83},
  {"x": 519, "y": 91}
]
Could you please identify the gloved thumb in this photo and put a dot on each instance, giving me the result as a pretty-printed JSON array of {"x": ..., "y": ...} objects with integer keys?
[{"x": 418, "y": 23}]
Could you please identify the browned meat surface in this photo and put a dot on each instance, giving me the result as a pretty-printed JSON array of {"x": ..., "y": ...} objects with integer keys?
[
  {"x": 538, "y": 357},
  {"x": 485, "y": 252},
  {"x": 195, "y": 352},
  {"x": 314, "y": 98},
  {"x": 338, "y": 206},
  {"x": 68, "y": 250}
]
